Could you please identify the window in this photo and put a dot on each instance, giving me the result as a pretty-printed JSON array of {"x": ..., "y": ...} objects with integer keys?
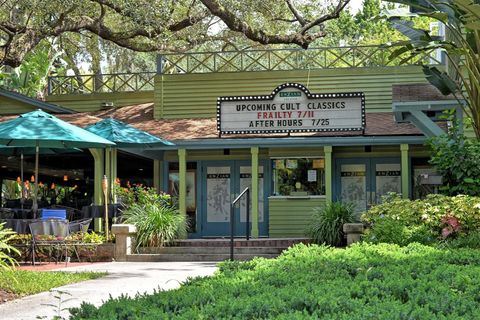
[{"x": 299, "y": 176}]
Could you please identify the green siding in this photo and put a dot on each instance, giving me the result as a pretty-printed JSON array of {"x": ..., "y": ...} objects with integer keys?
[
  {"x": 290, "y": 217},
  {"x": 194, "y": 95},
  {"x": 10, "y": 106},
  {"x": 93, "y": 102}
]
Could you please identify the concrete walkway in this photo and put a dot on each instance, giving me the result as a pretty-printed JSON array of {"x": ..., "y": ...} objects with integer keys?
[{"x": 123, "y": 278}]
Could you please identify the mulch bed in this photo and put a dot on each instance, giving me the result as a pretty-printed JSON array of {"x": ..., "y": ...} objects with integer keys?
[
  {"x": 7, "y": 296},
  {"x": 47, "y": 266}
]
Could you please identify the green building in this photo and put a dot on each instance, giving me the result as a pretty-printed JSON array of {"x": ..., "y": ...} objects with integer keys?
[{"x": 299, "y": 127}]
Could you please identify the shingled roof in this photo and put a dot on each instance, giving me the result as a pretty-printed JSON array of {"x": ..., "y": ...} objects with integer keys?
[
  {"x": 417, "y": 92},
  {"x": 141, "y": 117}
]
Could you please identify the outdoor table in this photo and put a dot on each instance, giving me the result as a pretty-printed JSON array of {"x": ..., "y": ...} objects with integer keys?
[
  {"x": 99, "y": 211},
  {"x": 21, "y": 213}
]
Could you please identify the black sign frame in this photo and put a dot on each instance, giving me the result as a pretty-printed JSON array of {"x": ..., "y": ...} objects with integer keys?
[{"x": 309, "y": 96}]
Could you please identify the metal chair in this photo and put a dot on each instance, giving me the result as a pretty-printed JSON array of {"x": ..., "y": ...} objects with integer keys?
[
  {"x": 49, "y": 232},
  {"x": 81, "y": 225},
  {"x": 72, "y": 213}
]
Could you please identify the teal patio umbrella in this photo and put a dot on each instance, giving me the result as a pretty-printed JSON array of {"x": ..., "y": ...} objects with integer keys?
[
  {"x": 39, "y": 129},
  {"x": 125, "y": 136}
]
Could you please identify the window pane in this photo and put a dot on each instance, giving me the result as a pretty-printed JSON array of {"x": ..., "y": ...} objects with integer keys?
[{"x": 299, "y": 176}]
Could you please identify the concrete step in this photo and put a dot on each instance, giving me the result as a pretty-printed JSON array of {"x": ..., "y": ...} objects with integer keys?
[
  {"x": 240, "y": 242},
  {"x": 191, "y": 257},
  {"x": 212, "y": 250}
]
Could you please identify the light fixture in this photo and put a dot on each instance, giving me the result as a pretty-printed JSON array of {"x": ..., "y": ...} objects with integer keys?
[
  {"x": 32, "y": 178},
  {"x": 19, "y": 180},
  {"x": 4, "y": 167},
  {"x": 65, "y": 178},
  {"x": 52, "y": 186}
]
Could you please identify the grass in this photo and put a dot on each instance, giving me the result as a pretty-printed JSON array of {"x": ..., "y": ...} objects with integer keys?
[
  {"x": 364, "y": 281},
  {"x": 22, "y": 283}
]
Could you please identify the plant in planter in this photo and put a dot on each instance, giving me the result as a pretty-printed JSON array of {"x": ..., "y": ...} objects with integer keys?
[
  {"x": 157, "y": 224},
  {"x": 327, "y": 223}
]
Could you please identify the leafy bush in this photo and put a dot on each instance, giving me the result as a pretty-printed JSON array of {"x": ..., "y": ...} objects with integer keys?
[
  {"x": 6, "y": 249},
  {"x": 455, "y": 157},
  {"x": 364, "y": 281},
  {"x": 437, "y": 218},
  {"x": 141, "y": 195},
  {"x": 326, "y": 226},
  {"x": 156, "y": 224}
]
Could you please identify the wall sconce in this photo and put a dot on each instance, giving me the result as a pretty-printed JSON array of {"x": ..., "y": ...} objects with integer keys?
[
  {"x": 65, "y": 178},
  {"x": 32, "y": 178},
  {"x": 52, "y": 186}
]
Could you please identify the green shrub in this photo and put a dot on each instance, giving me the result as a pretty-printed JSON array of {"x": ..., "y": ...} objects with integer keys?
[
  {"x": 471, "y": 240},
  {"x": 326, "y": 226},
  {"x": 437, "y": 218},
  {"x": 364, "y": 281},
  {"x": 6, "y": 250},
  {"x": 455, "y": 157},
  {"x": 156, "y": 224}
]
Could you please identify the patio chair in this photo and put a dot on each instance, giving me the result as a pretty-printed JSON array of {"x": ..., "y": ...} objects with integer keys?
[
  {"x": 81, "y": 225},
  {"x": 51, "y": 233},
  {"x": 72, "y": 213}
]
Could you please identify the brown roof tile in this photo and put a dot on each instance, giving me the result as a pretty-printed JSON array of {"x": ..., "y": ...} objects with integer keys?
[
  {"x": 417, "y": 92},
  {"x": 141, "y": 117}
]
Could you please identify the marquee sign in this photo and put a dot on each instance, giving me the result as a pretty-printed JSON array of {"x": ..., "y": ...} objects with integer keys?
[{"x": 291, "y": 108}]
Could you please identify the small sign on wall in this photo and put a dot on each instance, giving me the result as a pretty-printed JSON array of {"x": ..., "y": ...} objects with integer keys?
[{"x": 291, "y": 108}]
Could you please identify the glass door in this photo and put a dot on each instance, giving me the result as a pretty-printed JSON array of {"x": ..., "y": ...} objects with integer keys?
[
  {"x": 363, "y": 182},
  {"x": 245, "y": 180},
  {"x": 222, "y": 182},
  {"x": 353, "y": 183},
  {"x": 218, "y": 187}
]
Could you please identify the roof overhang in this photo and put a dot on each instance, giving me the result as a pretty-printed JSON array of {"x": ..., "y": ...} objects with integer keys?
[
  {"x": 291, "y": 142},
  {"x": 35, "y": 103},
  {"x": 416, "y": 112}
]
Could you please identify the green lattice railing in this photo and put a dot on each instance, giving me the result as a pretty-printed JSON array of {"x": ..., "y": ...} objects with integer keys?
[
  {"x": 288, "y": 59},
  {"x": 238, "y": 61},
  {"x": 91, "y": 83}
]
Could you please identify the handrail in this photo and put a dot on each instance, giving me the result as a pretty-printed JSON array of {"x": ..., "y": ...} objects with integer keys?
[{"x": 232, "y": 218}]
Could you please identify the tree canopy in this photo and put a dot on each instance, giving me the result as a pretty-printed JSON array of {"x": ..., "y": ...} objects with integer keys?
[{"x": 162, "y": 25}]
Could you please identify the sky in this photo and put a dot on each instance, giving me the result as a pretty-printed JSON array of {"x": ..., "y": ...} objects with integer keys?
[{"x": 355, "y": 5}]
